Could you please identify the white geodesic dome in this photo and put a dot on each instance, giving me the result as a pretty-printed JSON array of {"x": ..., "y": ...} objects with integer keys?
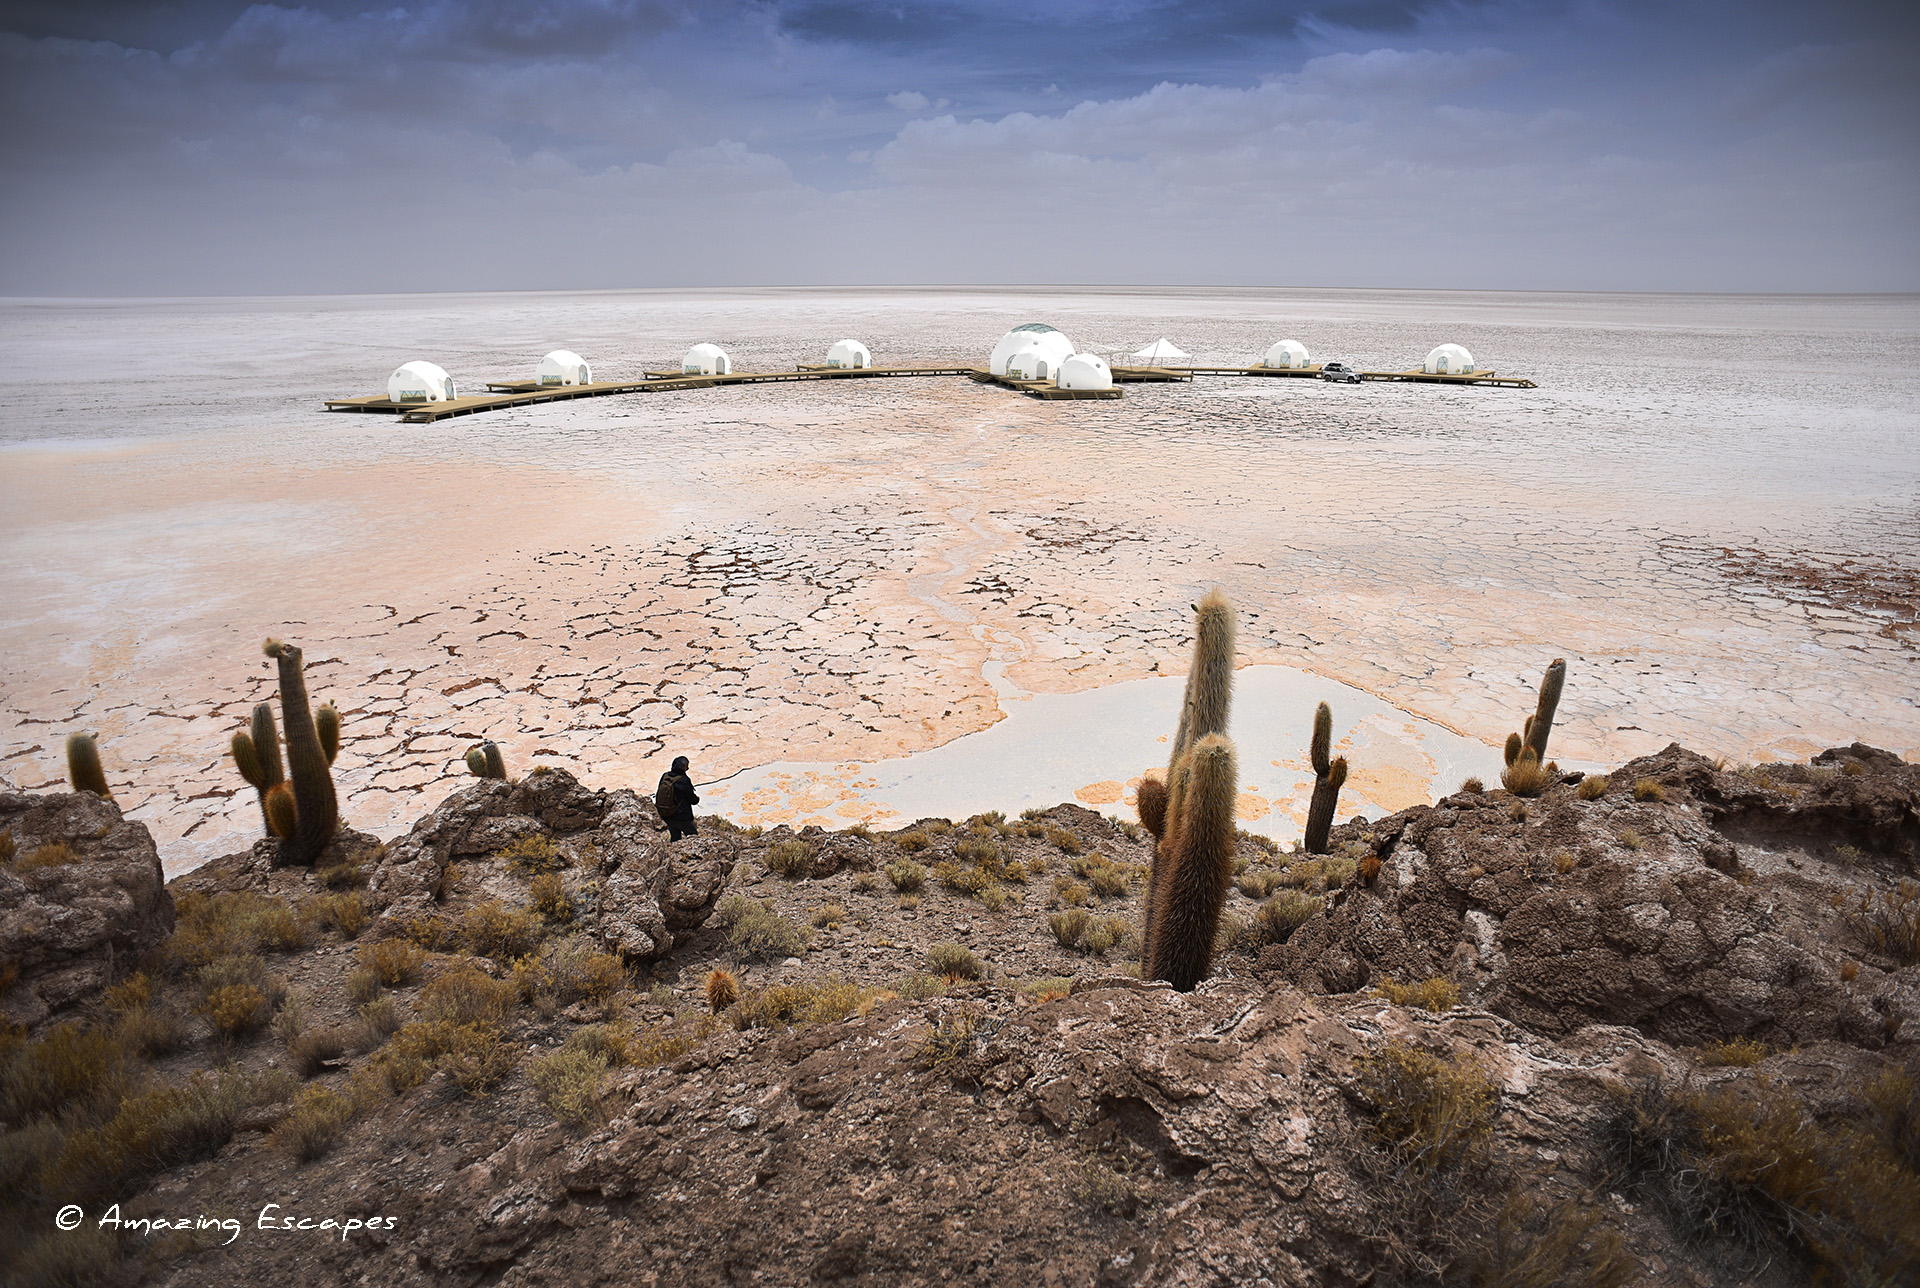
[
  {"x": 1085, "y": 371},
  {"x": 419, "y": 382},
  {"x": 1048, "y": 344},
  {"x": 563, "y": 367},
  {"x": 1448, "y": 360},
  {"x": 1286, "y": 355},
  {"x": 849, "y": 353},
  {"x": 706, "y": 360}
]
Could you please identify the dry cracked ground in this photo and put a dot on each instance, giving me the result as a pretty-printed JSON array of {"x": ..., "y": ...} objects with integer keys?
[{"x": 1653, "y": 1028}]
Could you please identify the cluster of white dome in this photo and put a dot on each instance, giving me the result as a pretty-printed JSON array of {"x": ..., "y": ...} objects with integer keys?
[{"x": 1037, "y": 351}]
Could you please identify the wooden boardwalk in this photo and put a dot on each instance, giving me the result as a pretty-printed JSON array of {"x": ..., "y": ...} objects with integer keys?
[{"x": 518, "y": 393}]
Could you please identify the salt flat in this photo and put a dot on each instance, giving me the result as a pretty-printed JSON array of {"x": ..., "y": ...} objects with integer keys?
[{"x": 1708, "y": 507}]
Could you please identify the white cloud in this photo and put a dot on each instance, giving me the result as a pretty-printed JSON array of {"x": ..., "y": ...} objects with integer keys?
[{"x": 909, "y": 100}]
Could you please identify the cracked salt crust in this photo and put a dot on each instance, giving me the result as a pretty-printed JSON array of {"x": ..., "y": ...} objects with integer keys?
[{"x": 830, "y": 578}]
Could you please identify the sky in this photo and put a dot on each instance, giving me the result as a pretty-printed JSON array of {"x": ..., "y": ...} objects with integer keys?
[{"x": 205, "y": 147}]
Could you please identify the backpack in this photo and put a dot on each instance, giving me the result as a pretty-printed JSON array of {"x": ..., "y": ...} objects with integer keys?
[{"x": 666, "y": 797}]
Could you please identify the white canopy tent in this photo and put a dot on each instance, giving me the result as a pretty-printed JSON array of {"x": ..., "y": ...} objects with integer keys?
[
  {"x": 1047, "y": 343},
  {"x": 419, "y": 382},
  {"x": 563, "y": 367},
  {"x": 849, "y": 353},
  {"x": 1287, "y": 355},
  {"x": 1448, "y": 360},
  {"x": 1161, "y": 351},
  {"x": 706, "y": 360},
  {"x": 1085, "y": 371}
]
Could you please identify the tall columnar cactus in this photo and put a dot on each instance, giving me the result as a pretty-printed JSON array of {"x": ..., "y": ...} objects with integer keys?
[
  {"x": 83, "y": 766},
  {"x": 256, "y": 752},
  {"x": 1540, "y": 723},
  {"x": 1195, "y": 871},
  {"x": 1192, "y": 864},
  {"x": 312, "y": 743},
  {"x": 485, "y": 761},
  {"x": 1329, "y": 776}
]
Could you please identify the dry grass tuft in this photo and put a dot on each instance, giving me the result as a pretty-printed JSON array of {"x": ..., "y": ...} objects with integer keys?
[
  {"x": 492, "y": 929},
  {"x": 569, "y": 1082},
  {"x": 236, "y": 1010},
  {"x": 1632, "y": 839},
  {"x": 1070, "y": 926},
  {"x": 791, "y": 858},
  {"x": 1647, "y": 789},
  {"x": 913, "y": 842},
  {"x": 464, "y": 995},
  {"x": 1472, "y": 785},
  {"x": 345, "y": 912},
  {"x": 1888, "y": 922},
  {"x": 320, "y": 1117},
  {"x": 209, "y": 927},
  {"x": 906, "y": 875},
  {"x": 532, "y": 855},
  {"x": 1592, "y": 787},
  {"x": 393, "y": 962},
  {"x": 547, "y": 896},
  {"x": 54, "y": 855},
  {"x": 828, "y": 916},
  {"x": 1742, "y": 1053},
  {"x": 1432, "y": 1110},
  {"x": 955, "y": 961},
  {"x": 1063, "y": 840},
  {"x": 1564, "y": 862},
  {"x": 1438, "y": 994},
  {"x": 1526, "y": 776},
  {"x": 797, "y": 1005},
  {"x": 756, "y": 930}
]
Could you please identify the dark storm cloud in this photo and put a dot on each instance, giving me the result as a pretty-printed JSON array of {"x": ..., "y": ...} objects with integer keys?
[{"x": 225, "y": 147}]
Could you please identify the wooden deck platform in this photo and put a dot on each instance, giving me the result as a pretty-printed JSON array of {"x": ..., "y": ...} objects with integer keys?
[{"x": 515, "y": 393}]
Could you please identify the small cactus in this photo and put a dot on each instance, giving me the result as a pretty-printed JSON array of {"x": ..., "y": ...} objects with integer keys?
[
  {"x": 485, "y": 761},
  {"x": 83, "y": 766},
  {"x": 1150, "y": 802},
  {"x": 276, "y": 805},
  {"x": 256, "y": 752},
  {"x": 723, "y": 989},
  {"x": 1329, "y": 776},
  {"x": 309, "y": 761}
]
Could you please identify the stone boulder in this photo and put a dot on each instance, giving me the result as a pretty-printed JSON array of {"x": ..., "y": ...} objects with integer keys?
[
  {"x": 67, "y": 930},
  {"x": 653, "y": 889}
]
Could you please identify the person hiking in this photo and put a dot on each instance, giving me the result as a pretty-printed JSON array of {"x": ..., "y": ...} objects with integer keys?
[{"x": 675, "y": 799}]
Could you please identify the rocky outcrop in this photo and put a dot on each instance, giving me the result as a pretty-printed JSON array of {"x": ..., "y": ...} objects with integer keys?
[
  {"x": 1637, "y": 907},
  {"x": 67, "y": 929},
  {"x": 650, "y": 888}
]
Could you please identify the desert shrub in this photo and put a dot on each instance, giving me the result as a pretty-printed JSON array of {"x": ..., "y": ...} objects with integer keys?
[
  {"x": 532, "y": 855},
  {"x": 1526, "y": 776},
  {"x": 131, "y": 993},
  {"x": 1105, "y": 1184},
  {"x": 464, "y": 995},
  {"x": 1338, "y": 869},
  {"x": 993, "y": 897},
  {"x": 955, "y": 960},
  {"x": 1750, "y": 1167},
  {"x": 867, "y": 882},
  {"x": 1063, "y": 840},
  {"x": 53, "y": 855},
  {"x": 8, "y": 846},
  {"x": 345, "y": 912},
  {"x": 980, "y": 850},
  {"x": 906, "y": 875},
  {"x": 1047, "y": 988},
  {"x": 363, "y": 985},
  {"x": 378, "y": 1021},
  {"x": 343, "y": 876},
  {"x": 1109, "y": 881},
  {"x": 950, "y": 1039},
  {"x": 1071, "y": 892},
  {"x": 797, "y": 1005},
  {"x": 722, "y": 989},
  {"x": 1438, "y": 994},
  {"x": 1740, "y": 1053},
  {"x": 1284, "y": 913},
  {"x": 235, "y": 1010},
  {"x": 1631, "y": 839},
  {"x": 148, "y": 1031},
  {"x": 913, "y": 841},
  {"x": 547, "y": 896},
  {"x": 569, "y": 1082},
  {"x": 1592, "y": 787},
  {"x": 156, "y": 1131},
  {"x": 319, "y": 1118},
  {"x": 66, "y": 1065},
  {"x": 1888, "y": 922},
  {"x": 232, "y": 925},
  {"x": 393, "y": 961},
  {"x": 312, "y": 1049},
  {"x": 1258, "y": 883},
  {"x": 1099, "y": 938},
  {"x": 434, "y": 931},
  {"x": 960, "y": 879},
  {"x": 1068, "y": 927},
  {"x": 1127, "y": 828},
  {"x": 828, "y": 915},
  {"x": 918, "y": 986},
  {"x": 1647, "y": 789},
  {"x": 479, "y": 1059},
  {"x": 1429, "y": 1109},
  {"x": 1528, "y": 1244},
  {"x": 1016, "y": 873},
  {"x": 791, "y": 858},
  {"x": 755, "y": 929},
  {"x": 473, "y": 1056},
  {"x": 906, "y": 902},
  {"x": 1564, "y": 862},
  {"x": 1472, "y": 785},
  {"x": 492, "y": 929}
]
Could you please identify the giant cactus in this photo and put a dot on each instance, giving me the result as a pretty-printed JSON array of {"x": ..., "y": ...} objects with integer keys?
[
  {"x": 485, "y": 761},
  {"x": 1194, "y": 837},
  {"x": 256, "y": 753},
  {"x": 312, "y": 742},
  {"x": 1540, "y": 723},
  {"x": 83, "y": 766},
  {"x": 1328, "y": 778}
]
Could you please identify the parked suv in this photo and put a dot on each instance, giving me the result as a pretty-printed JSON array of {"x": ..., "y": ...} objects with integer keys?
[{"x": 1340, "y": 372}]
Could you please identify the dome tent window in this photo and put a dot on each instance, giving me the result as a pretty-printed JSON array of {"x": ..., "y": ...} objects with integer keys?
[
  {"x": 706, "y": 360},
  {"x": 563, "y": 367},
  {"x": 1449, "y": 360},
  {"x": 1044, "y": 341},
  {"x": 849, "y": 354},
  {"x": 415, "y": 382},
  {"x": 1287, "y": 355}
]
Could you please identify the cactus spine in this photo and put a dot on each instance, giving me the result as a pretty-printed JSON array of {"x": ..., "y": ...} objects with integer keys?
[
  {"x": 485, "y": 761},
  {"x": 1193, "y": 849},
  {"x": 256, "y": 751},
  {"x": 83, "y": 766},
  {"x": 316, "y": 808},
  {"x": 1329, "y": 776}
]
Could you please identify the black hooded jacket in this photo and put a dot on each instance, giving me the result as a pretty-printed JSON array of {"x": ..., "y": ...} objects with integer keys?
[{"x": 675, "y": 797}]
